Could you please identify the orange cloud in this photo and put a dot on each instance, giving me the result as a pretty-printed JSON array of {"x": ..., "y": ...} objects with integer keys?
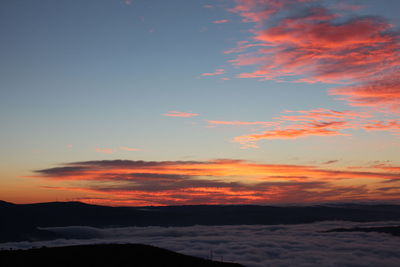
[
  {"x": 180, "y": 114},
  {"x": 389, "y": 168},
  {"x": 303, "y": 123},
  {"x": 216, "y": 72},
  {"x": 225, "y": 181},
  {"x": 314, "y": 122},
  {"x": 295, "y": 131}
]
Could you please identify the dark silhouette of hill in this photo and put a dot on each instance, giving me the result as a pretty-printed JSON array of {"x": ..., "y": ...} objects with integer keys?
[
  {"x": 393, "y": 230},
  {"x": 20, "y": 221},
  {"x": 5, "y": 204},
  {"x": 118, "y": 255}
]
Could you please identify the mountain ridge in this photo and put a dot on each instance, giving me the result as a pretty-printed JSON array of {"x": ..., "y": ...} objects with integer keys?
[{"x": 23, "y": 221}]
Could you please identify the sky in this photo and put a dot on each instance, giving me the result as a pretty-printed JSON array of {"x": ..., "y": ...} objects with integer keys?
[{"x": 149, "y": 102}]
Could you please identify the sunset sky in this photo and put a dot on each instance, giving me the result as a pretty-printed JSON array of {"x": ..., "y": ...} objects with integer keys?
[{"x": 154, "y": 102}]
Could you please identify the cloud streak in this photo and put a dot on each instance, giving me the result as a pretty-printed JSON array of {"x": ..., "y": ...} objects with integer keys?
[
  {"x": 216, "y": 72},
  {"x": 129, "y": 148},
  {"x": 180, "y": 114},
  {"x": 293, "y": 124},
  {"x": 224, "y": 181},
  {"x": 220, "y": 21},
  {"x": 242, "y": 123},
  {"x": 295, "y": 131},
  {"x": 105, "y": 150}
]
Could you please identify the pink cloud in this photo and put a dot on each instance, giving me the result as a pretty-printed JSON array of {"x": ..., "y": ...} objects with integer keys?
[
  {"x": 331, "y": 52},
  {"x": 129, "y": 148},
  {"x": 384, "y": 91},
  {"x": 216, "y": 72},
  {"x": 255, "y": 11},
  {"x": 313, "y": 45},
  {"x": 105, "y": 150},
  {"x": 180, "y": 114}
]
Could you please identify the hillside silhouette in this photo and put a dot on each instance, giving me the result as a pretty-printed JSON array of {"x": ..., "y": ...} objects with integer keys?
[
  {"x": 21, "y": 221},
  {"x": 116, "y": 255}
]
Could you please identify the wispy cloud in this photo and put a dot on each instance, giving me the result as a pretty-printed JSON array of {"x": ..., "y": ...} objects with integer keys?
[
  {"x": 242, "y": 123},
  {"x": 321, "y": 114},
  {"x": 295, "y": 131},
  {"x": 216, "y": 72},
  {"x": 180, "y": 114},
  {"x": 293, "y": 124},
  {"x": 129, "y": 148},
  {"x": 114, "y": 150},
  {"x": 220, "y": 21},
  {"x": 378, "y": 125},
  {"x": 348, "y": 6},
  {"x": 105, "y": 150},
  {"x": 330, "y": 161}
]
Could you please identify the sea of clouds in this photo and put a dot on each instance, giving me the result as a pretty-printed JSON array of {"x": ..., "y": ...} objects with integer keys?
[{"x": 250, "y": 245}]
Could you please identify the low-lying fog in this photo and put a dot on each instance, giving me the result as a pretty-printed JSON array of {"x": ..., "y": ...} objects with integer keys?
[{"x": 251, "y": 245}]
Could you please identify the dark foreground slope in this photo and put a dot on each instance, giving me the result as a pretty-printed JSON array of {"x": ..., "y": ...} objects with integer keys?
[
  {"x": 103, "y": 255},
  {"x": 21, "y": 222}
]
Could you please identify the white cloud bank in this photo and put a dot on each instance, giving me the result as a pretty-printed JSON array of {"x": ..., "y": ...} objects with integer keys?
[{"x": 251, "y": 245}]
